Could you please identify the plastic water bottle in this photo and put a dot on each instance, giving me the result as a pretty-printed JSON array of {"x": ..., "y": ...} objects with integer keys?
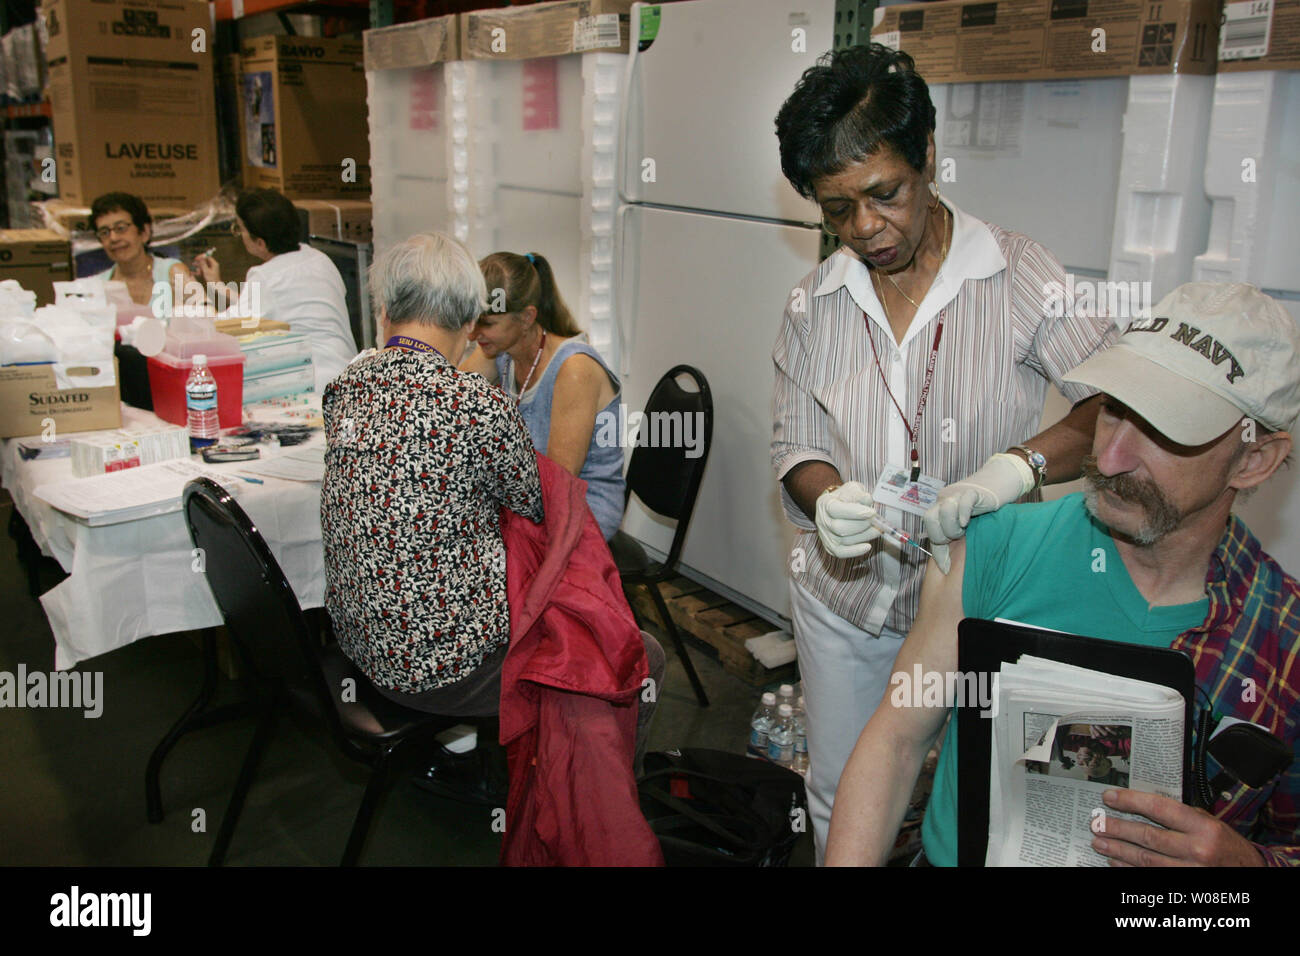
[
  {"x": 780, "y": 739},
  {"x": 760, "y": 724},
  {"x": 201, "y": 404},
  {"x": 785, "y": 695},
  {"x": 800, "y": 762}
]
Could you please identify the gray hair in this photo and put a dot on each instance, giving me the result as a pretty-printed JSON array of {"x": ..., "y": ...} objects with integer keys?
[{"x": 429, "y": 278}]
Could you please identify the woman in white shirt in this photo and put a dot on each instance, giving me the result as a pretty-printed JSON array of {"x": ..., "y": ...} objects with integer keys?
[{"x": 295, "y": 283}]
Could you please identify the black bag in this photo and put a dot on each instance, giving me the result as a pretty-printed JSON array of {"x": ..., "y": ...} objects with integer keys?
[{"x": 710, "y": 808}]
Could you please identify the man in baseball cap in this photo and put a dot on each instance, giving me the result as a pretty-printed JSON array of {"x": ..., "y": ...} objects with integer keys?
[{"x": 1200, "y": 401}]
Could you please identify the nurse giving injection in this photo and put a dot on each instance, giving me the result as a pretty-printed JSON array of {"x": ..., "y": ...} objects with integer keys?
[{"x": 846, "y": 517}]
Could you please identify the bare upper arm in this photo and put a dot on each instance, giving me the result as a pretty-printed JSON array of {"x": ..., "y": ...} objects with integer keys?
[
  {"x": 574, "y": 406},
  {"x": 932, "y": 643}
]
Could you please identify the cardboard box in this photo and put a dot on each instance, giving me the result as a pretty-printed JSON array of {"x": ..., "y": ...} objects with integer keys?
[
  {"x": 303, "y": 117},
  {"x": 75, "y": 217},
  {"x": 133, "y": 103},
  {"x": 242, "y": 328},
  {"x": 1260, "y": 36},
  {"x": 546, "y": 29},
  {"x": 410, "y": 45},
  {"x": 37, "y": 258},
  {"x": 346, "y": 219},
  {"x": 957, "y": 42},
  {"x": 29, "y": 395}
]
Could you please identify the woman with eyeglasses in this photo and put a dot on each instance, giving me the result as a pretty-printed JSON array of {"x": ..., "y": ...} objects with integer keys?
[
  {"x": 911, "y": 371},
  {"x": 295, "y": 283},
  {"x": 124, "y": 227}
]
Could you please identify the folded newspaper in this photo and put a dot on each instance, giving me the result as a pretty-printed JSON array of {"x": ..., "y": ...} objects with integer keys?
[{"x": 1062, "y": 736}]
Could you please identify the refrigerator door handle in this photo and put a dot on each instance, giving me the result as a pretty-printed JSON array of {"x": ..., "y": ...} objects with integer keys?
[
  {"x": 625, "y": 295},
  {"x": 624, "y": 107}
]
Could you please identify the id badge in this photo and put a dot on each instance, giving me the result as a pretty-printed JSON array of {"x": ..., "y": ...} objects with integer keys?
[{"x": 896, "y": 490}]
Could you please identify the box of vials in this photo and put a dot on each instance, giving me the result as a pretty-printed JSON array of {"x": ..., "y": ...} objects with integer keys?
[{"x": 102, "y": 452}]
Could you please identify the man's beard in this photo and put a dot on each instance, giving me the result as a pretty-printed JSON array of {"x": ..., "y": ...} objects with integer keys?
[{"x": 1161, "y": 515}]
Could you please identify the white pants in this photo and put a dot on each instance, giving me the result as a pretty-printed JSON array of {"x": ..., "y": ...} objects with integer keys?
[{"x": 845, "y": 673}]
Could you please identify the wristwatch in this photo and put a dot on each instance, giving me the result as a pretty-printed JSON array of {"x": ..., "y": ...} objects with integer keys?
[{"x": 1037, "y": 461}]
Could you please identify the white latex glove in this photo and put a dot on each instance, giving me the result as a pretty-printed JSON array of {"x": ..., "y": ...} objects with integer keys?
[
  {"x": 1001, "y": 480},
  {"x": 844, "y": 523}
]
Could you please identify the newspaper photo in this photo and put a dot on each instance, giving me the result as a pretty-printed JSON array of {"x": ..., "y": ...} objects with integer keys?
[{"x": 1062, "y": 736}]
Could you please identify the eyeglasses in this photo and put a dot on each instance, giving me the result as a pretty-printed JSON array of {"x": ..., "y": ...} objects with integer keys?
[{"x": 117, "y": 229}]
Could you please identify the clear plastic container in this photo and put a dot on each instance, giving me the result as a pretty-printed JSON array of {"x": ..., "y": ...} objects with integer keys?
[{"x": 183, "y": 345}]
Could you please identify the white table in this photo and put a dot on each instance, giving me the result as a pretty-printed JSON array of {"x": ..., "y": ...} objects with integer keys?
[{"x": 136, "y": 579}]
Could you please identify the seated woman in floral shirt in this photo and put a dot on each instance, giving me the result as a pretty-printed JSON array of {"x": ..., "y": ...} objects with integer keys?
[{"x": 419, "y": 460}]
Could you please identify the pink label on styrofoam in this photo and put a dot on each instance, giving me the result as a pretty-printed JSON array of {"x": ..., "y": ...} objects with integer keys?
[
  {"x": 426, "y": 99},
  {"x": 541, "y": 94}
]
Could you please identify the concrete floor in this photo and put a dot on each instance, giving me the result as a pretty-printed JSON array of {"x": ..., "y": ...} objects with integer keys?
[{"x": 73, "y": 791}]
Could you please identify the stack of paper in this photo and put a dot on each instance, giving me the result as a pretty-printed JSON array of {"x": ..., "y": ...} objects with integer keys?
[
  {"x": 296, "y": 464},
  {"x": 127, "y": 495}
]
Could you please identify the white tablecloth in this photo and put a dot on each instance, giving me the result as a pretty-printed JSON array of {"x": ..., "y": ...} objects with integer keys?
[{"x": 136, "y": 579}]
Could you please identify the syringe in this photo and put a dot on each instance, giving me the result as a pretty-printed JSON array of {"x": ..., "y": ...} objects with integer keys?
[{"x": 899, "y": 537}]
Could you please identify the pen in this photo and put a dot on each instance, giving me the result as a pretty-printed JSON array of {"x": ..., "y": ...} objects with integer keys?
[
  {"x": 900, "y": 537},
  {"x": 210, "y": 251}
]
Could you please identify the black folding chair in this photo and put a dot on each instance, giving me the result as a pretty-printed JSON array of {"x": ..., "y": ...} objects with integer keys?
[
  {"x": 286, "y": 664},
  {"x": 667, "y": 481}
]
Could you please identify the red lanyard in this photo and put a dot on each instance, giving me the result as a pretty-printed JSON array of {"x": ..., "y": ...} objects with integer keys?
[{"x": 914, "y": 431}]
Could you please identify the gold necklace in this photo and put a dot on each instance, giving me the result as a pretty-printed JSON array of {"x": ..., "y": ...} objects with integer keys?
[{"x": 947, "y": 232}]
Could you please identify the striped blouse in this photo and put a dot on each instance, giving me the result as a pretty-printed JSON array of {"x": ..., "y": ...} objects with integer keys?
[{"x": 1001, "y": 345}]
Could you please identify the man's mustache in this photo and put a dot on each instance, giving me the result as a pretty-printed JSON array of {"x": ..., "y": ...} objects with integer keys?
[{"x": 1122, "y": 486}]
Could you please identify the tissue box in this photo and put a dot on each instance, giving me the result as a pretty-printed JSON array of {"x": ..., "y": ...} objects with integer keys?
[
  {"x": 275, "y": 350},
  {"x": 31, "y": 401},
  {"x": 126, "y": 448},
  {"x": 279, "y": 383}
]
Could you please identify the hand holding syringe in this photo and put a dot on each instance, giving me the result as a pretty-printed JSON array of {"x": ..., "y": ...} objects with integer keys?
[{"x": 897, "y": 536}]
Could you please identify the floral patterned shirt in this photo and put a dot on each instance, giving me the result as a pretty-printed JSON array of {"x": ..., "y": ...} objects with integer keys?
[{"x": 419, "y": 459}]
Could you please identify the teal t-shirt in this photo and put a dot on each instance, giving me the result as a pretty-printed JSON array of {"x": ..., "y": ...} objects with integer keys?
[{"x": 1050, "y": 565}]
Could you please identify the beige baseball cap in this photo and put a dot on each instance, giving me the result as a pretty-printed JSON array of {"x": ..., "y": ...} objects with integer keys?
[{"x": 1210, "y": 354}]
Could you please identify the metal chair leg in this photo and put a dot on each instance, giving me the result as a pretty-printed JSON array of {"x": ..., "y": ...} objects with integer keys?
[
  {"x": 376, "y": 786},
  {"x": 265, "y": 724},
  {"x": 676, "y": 638},
  {"x": 188, "y": 722}
]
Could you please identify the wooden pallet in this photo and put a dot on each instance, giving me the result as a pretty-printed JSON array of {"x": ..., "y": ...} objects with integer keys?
[{"x": 714, "y": 623}]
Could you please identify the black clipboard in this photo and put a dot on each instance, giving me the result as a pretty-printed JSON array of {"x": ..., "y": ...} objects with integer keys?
[{"x": 983, "y": 646}]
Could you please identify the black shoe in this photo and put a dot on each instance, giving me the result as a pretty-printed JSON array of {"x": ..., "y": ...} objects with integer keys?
[{"x": 467, "y": 777}]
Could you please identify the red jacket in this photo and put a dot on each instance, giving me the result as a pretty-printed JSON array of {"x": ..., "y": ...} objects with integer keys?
[{"x": 570, "y": 686}]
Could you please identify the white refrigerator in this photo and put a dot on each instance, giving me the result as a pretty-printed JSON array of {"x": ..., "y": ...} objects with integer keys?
[{"x": 710, "y": 239}]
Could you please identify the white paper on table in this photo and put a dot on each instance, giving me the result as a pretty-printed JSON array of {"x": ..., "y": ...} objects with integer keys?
[
  {"x": 126, "y": 495},
  {"x": 296, "y": 464}
]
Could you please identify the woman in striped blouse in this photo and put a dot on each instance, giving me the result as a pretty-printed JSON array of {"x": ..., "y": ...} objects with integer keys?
[{"x": 914, "y": 359}]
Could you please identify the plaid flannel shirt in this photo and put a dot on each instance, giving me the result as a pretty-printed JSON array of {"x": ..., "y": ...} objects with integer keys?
[{"x": 1247, "y": 659}]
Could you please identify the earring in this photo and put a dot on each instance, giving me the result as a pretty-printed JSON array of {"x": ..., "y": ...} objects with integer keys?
[{"x": 934, "y": 191}]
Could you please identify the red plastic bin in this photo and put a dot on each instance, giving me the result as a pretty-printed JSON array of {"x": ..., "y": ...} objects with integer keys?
[{"x": 167, "y": 378}]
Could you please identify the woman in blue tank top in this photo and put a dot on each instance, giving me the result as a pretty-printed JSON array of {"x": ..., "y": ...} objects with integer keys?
[
  {"x": 529, "y": 344},
  {"x": 122, "y": 224}
]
